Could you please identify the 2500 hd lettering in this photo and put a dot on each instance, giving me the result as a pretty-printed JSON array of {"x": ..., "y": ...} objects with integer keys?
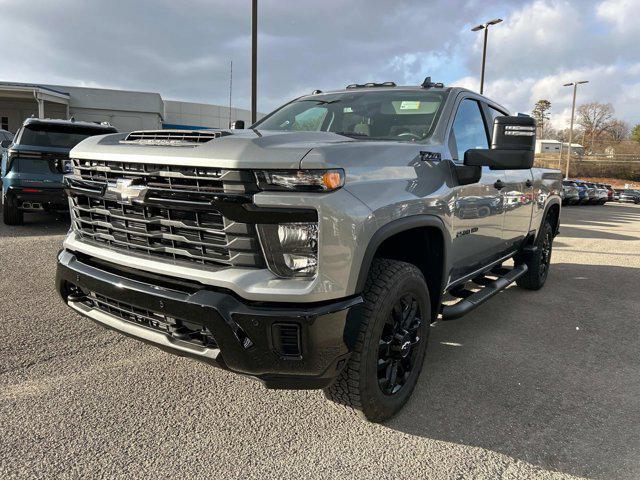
[{"x": 316, "y": 248}]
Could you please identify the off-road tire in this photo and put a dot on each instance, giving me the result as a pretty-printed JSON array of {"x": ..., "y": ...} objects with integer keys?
[
  {"x": 11, "y": 214},
  {"x": 357, "y": 387},
  {"x": 539, "y": 262}
]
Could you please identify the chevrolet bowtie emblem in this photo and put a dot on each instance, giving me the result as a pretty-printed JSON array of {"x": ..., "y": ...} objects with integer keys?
[{"x": 126, "y": 190}]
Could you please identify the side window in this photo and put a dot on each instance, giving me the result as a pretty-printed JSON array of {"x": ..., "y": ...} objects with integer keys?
[{"x": 468, "y": 129}]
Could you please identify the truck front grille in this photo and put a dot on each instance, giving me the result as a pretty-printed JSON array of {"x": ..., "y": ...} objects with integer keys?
[
  {"x": 176, "y": 328},
  {"x": 175, "y": 220}
]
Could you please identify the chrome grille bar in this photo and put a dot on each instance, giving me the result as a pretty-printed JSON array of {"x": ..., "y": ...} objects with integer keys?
[{"x": 174, "y": 219}]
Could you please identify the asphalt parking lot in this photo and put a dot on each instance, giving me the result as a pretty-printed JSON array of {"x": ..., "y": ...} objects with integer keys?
[{"x": 532, "y": 385}]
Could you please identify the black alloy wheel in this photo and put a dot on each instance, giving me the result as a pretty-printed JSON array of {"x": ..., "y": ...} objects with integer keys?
[
  {"x": 545, "y": 253},
  {"x": 398, "y": 344}
]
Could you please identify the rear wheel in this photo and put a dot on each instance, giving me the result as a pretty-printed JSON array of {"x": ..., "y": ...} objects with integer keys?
[
  {"x": 538, "y": 264},
  {"x": 11, "y": 214},
  {"x": 387, "y": 358}
]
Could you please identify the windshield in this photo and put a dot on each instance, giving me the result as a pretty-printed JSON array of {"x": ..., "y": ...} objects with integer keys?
[
  {"x": 57, "y": 136},
  {"x": 376, "y": 115}
]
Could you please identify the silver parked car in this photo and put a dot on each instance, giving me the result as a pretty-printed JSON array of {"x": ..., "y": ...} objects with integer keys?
[{"x": 629, "y": 196}]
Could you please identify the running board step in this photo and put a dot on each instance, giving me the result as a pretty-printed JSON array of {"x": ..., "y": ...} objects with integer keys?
[{"x": 464, "y": 306}]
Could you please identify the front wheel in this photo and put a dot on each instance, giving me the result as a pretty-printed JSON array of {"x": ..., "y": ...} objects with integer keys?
[
  {"x": 387, "y": 358},
  {"x": 538, "y": 264}
]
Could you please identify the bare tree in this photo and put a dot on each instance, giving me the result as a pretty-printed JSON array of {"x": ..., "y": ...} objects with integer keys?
[
  {"x": 618, "y": 130},
  {"x": 594, "y": 119}
]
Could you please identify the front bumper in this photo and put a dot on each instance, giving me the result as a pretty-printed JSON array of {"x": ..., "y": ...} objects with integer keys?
[{"x": 244, "y": 338}]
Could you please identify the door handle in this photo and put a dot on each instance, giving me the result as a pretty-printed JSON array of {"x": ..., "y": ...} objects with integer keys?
[
  {"x": 529, "y": 183},
  {"x": 498, "y": 185}
]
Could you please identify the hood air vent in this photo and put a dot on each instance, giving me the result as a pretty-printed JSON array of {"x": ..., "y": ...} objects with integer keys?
[{"x": 171, "y": 138}]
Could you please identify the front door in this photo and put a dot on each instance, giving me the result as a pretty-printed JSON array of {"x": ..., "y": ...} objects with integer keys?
[
  {"x": 478, "y": 209},
  {"x": 517, "y": 196}
]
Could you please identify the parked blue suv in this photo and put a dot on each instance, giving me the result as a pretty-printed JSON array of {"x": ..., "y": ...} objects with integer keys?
[
  {"x": 583, "y": 192},
  {"x": 34, "y": 164}
]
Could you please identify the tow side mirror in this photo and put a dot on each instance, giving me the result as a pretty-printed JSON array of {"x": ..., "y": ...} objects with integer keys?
[
  {"x": 237, "y": 125},
  {"x": 6, "y": 143},
  {"x": 512, "y": 145}
]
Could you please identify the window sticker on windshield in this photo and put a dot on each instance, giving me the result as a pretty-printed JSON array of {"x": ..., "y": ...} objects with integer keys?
[
  {"x": 347, "y": 110},
  {"x": 410, "y": 105}
]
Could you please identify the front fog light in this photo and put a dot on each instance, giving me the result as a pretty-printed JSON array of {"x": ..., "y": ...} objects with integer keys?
[{"x": 290, "y": 249}]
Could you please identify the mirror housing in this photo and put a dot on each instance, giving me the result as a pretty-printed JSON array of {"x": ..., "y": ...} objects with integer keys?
[
  {"x": 512, "y": 145},
  {"x": 237, "y": 125},
  {"x": 6, "y": 143}
]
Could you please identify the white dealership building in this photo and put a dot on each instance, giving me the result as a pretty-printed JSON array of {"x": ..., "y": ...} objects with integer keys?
[{"x": 126, "y": 110}]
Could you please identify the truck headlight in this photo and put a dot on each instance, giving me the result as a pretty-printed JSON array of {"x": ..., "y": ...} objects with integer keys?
[
  {"x": 301, "y": 180},
  {"x": 290, "y": 249}
]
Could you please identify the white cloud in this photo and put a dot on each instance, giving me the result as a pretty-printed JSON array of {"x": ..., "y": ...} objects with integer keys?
[
  {"x": 605, "y": 86},
  {"x": 543, "y": 44},
  {"x": 184, "y": 53},
  {"x": 622, "y": 14}
]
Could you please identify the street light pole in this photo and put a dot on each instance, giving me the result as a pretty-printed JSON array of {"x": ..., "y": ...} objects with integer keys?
[
  {"x": 254, "y": 60},
  {"x": 573, "y": 111},
  {"x": 485, "y": 27},
  {"x": 484, "y": 59}
]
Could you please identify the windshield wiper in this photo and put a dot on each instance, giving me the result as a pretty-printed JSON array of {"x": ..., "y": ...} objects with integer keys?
[
  {"x": 320, "y": 102},
  {"x": 352, "y": 134}
]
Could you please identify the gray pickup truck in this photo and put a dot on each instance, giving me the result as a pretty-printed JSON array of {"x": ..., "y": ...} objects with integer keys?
[{"x": 316, "y": 248}]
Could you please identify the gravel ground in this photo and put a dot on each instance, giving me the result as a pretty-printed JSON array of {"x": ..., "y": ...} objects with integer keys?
[{"x": 532, "y": 385}]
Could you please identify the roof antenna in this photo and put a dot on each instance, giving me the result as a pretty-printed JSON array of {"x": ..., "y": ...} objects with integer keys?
[{"x": 429, "y": 84}]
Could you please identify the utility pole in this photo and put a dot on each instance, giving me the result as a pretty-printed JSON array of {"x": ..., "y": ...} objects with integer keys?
[
  {"x": 573, "y": 111},
  {"x": 485, "y": 27},
  {"x": 254, "y": 60}
]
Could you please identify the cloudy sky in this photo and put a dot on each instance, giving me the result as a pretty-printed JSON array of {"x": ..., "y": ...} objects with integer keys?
[{"x": 182, "y": 49}]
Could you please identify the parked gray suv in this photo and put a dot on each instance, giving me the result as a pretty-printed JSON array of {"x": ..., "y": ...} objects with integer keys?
[{"x": 315, "y": 249}]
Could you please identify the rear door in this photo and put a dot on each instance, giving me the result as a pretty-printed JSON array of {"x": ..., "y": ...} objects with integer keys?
[
  {"x": 517, "y": 194},
  {"x": 477, "y": 208}
]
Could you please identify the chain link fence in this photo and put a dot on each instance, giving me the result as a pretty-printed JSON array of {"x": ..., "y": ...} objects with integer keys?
[{"x": 622, "y": 166}]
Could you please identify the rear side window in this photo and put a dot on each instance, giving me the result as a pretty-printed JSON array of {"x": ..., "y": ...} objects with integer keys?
[
  {"x": 56, "y": 136},
  {"x": 468, "y": 131}
]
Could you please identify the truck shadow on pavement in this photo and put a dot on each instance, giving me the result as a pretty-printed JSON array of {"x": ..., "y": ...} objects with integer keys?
[{"x": 547, "y": 377}]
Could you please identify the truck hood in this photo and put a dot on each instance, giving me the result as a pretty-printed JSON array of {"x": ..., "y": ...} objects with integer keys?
[{"x": 237, "y": 149}]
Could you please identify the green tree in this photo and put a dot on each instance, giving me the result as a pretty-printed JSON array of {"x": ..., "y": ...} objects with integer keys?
[
  {"x": 635, "y": 133},
  {"x": 541, "y": 113}
]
